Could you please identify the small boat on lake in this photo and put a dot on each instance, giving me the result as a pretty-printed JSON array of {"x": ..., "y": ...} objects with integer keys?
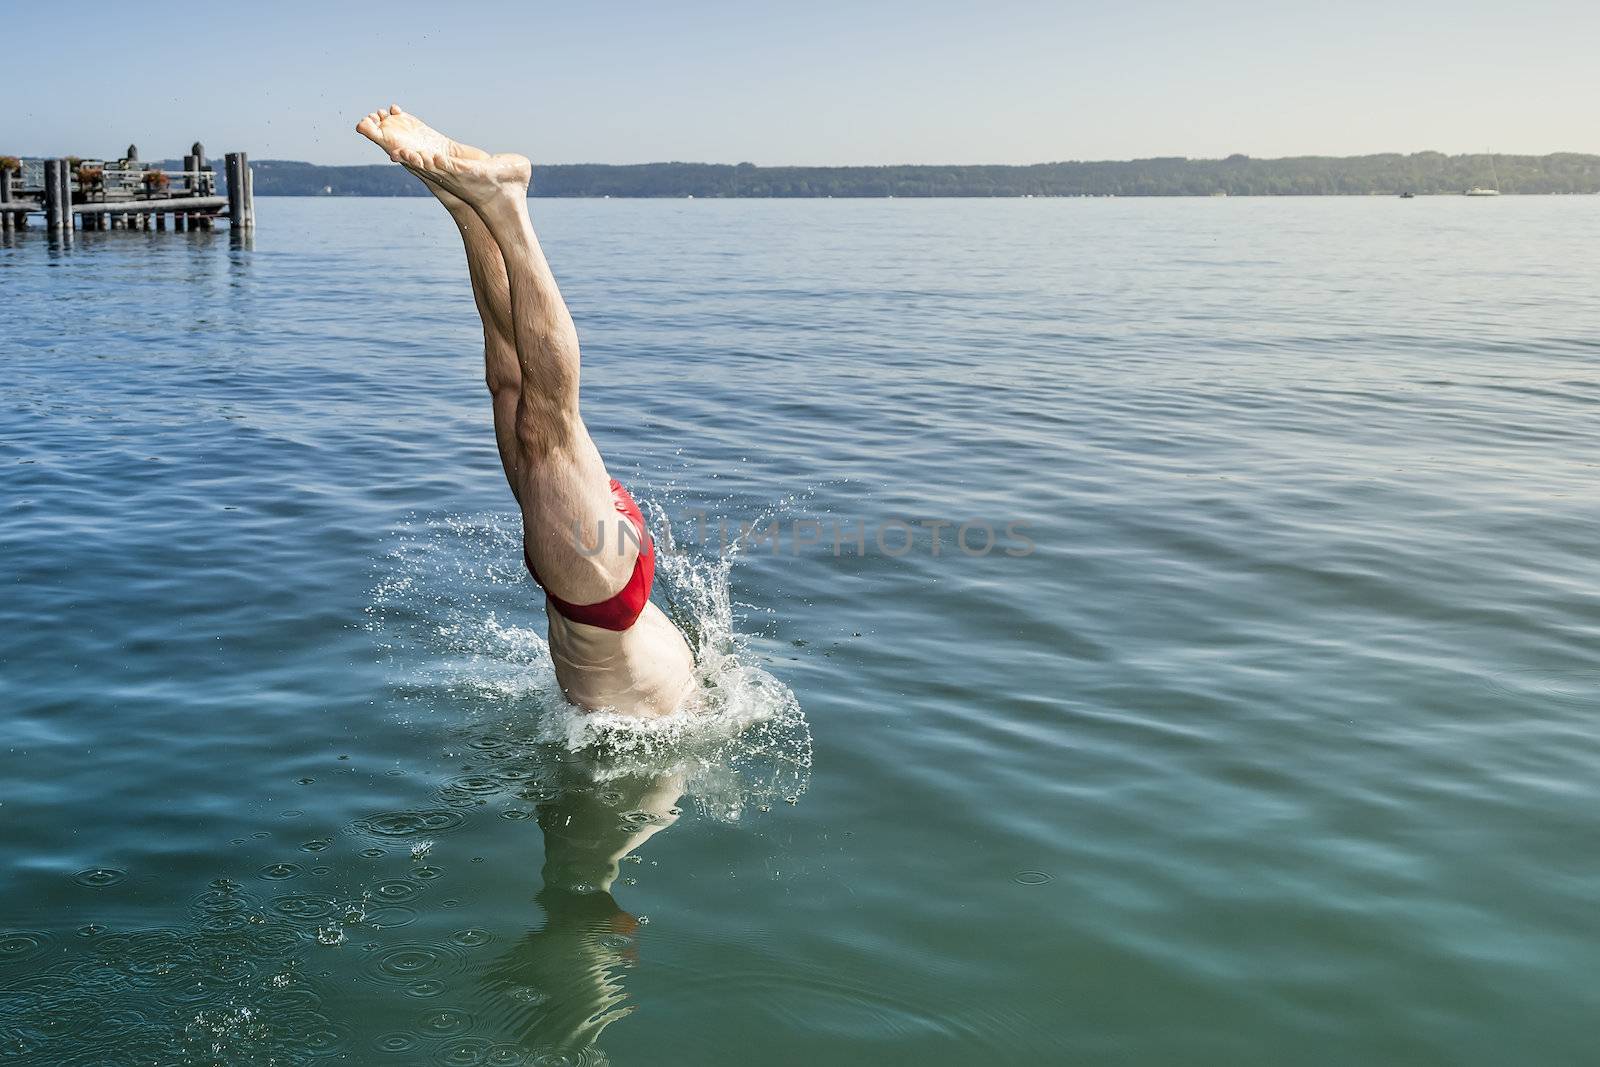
[{"x": 1480, "y": 191}]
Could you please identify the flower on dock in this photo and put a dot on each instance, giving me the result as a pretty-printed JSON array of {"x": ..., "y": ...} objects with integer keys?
[
  {"x": 90, "y": 175},
  {"x": 155, "y": 179},
  {"x": 11, "y": 163}
]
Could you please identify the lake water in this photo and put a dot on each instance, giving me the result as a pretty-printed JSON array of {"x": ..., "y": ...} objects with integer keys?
[{"x": 1265, "y": 734}]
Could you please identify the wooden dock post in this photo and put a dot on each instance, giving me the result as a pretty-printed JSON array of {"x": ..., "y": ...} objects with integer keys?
[
  {"x": 241, "y": 199},
  {"x": 52, "y": 196},
  {"x": 5, "y": 198},
  {"x": 58, "y": 199},
  {"x": 235, "y": 188},
  {"x": 68, "y": 219}
]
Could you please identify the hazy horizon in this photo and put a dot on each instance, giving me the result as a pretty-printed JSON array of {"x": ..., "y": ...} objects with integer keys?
[
  {"x": 896, "y": 84},
  {"x": 214, "y": 154}
]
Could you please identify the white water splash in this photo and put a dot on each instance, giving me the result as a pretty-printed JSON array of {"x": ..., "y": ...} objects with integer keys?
[{"x": 460, "y": 618}]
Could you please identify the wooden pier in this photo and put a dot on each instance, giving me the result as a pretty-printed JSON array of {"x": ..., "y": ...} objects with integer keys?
[{"x": 95, "y": 195}]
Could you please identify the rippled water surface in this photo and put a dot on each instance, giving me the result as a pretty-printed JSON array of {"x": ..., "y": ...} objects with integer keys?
[{"x": 1265, "y": 734}]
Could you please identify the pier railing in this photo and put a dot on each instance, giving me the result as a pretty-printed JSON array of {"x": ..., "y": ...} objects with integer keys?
[
  {"x": 93, "y": 177},
  {"x": 106, "y": 196}
]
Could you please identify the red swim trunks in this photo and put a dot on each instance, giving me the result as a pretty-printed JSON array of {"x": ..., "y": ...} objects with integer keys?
[{"x": 622, "y": 609}]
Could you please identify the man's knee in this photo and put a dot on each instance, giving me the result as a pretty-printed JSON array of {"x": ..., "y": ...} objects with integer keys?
[
  {"x": 503, "y": 386},
  {"x": 544, "y": 428},
  {"x": 502, "y": 372}
]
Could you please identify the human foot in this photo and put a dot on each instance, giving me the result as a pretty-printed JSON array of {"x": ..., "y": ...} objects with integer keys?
[
  {"x": 447, "y": 167},
  {"x": 393, "y": 130},
  {"x": 475, "y": 181},
  {"x": 451, "y": 201}
]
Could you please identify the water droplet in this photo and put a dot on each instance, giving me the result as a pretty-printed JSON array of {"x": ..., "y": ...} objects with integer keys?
[
  {"x": 326, "y": 1040},
  {"x": 410, "y": 823},
  {"x": 397, "y": 1042},
  {"x": 446, "y": 1022},
  {"x": 20, "y": 945},
  {"x": 278, "y": 871},
  {"x": 1032, "y": 878},
  {"x": 416, "y": 960},
  {"x": 99, "y": 877},
  {"x": 395, "y": 891},
  {"x": 304, "y": 908},
  {"x": 226, "y": 923},
  {"x": 463, "y": 1052},
  {"x": 471, "y": 938},
  {"x": 471, "y": 785}
]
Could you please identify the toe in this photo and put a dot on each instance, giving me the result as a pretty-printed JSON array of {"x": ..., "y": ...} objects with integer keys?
[{"x": 394, "y": 109}]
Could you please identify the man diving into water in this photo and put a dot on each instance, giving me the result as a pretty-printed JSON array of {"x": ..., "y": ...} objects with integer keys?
[{"x": 612, "y": 647}]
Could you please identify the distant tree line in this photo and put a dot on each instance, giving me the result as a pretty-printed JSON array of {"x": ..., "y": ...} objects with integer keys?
[{"x": 1237, "y": 175}]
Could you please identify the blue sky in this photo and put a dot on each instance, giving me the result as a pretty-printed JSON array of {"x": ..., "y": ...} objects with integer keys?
[{"x": 1003, "y": 81}]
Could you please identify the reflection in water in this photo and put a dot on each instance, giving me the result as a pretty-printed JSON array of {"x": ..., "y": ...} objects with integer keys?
[{"x": 563, "y": 981}]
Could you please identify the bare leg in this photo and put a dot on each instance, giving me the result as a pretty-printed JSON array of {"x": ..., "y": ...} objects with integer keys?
[
  {"x": 493, "y": 297},
  {"x": 490, "y": 292},
  {"x": 563, "y": 481},
  {"x": 554, "y": 468},
  {"x": 559, "y": 476}
]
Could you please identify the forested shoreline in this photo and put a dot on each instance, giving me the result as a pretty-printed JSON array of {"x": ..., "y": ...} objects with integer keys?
[{"x": 1238, "y": 175}]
